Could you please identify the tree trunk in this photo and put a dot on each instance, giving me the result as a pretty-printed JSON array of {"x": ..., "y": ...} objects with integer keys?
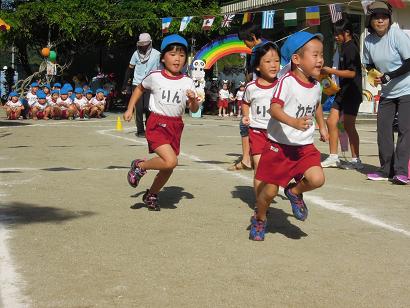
[{"x": 23, "y": 57}]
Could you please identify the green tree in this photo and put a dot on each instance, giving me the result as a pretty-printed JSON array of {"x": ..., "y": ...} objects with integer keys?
[{"x": 75, "y": 26}]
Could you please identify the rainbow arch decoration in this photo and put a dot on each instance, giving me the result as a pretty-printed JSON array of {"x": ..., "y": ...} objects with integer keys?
[{"x": 220, "y": 48}]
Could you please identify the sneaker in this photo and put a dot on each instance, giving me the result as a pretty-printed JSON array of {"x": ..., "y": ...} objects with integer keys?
[
  {"x": 257, "y": 232},
  {"x": 299, "y": 208},
  {"x": 353, "y": 165},
  {"x": 151, "y": 201},
  {"x": 136, "y": 173},
  {"x": 377, "y": 176},
  {"x": 331, "y": 162},
  {"x": 400, "y": 180}
]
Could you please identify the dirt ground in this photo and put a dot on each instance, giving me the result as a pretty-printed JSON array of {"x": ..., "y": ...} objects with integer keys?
[{"x": 73, "y": 233}]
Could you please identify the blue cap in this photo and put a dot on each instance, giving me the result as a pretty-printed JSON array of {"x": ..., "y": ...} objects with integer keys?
[
  {"x": 78, "y": 91},
  {"x": 40, "y": 94},
  {"x": 68, "y": 86},
  {"x": 34, "y": 84},
  {"x": 295, "y": 42},
  {"x": 47, "y": 85},
  {"x": 54, "y": 91},
  {"x": 57, "y": 85},
  {"x": 89, "y": 91},
  {"x": 173, "y": 39},
  {"x": 99, "y": 91},
  {"x": 13, "y": 93},
  {"x": 63, "y": 91}
]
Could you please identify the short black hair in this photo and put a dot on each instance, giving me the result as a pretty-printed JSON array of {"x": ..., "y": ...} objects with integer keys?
[
  {"x": 247, "y": 30},
  {"x": 261, "y": 51},
  {"x": 172, "y": 47}
]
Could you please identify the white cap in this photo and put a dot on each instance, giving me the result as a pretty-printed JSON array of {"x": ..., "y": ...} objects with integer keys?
[{"x": 144, "y": 39}]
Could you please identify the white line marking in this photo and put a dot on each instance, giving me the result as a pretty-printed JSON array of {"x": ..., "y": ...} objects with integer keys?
[{"x": 309, "y": 196}]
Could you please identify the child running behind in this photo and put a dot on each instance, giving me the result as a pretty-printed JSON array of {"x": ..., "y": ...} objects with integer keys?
[
  {"x": 290, "y": 153},
  {"x": 257, "y": 98},
  {"x": 171, "y": 93}
]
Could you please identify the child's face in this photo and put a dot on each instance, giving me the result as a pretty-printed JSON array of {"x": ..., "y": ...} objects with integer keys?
[
  {"x": 339, "y": 38},
  {"x": 46, "y": 90},
  {"x": 311, "y": 60},
  {"x": 100, "y": 96},
  {"x": 174, "y": 60},
  {"x": 242, "y": 88},
  {"x": 89, "y": 96},
  {"x": 269, "y": 65},
  {"x": 64, "y": 96},
  {"x": 250, "y": 43},
  {"x": 14, "y": 99},
  {"x": 34, "y": 89},
  {"x": 41, "y": 101},
  {"x": 225, "y": 86},
  {"x": 54, "y": 96},
  {"x": 78, "y": 95}
]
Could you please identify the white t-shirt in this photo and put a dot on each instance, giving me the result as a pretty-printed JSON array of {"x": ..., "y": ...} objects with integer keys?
[
  {"x": 258, "y": 97},
  {"x": 168, "y": 93},
  {"x": 31, "y": 98},
  {"x": 39, "y": 106},
  {"x": 298, "y": 99},
  {"x": 224, "y": 94},
  {"x": 239, "y": 95},
  {"x": 94, "y": 101},
  {"x": 49, "y": 100},
  {"x": 14, "y": 105},
  {"x": 82, "y": 102},
  {"x": 61, "y": 102}
]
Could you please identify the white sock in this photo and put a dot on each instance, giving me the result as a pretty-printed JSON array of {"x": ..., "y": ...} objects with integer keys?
[
  {"x": 355, "y": 159},
  {"x": 334, "y": 156}
]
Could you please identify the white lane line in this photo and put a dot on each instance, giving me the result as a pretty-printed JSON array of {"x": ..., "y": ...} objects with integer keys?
[
  {"x": 308, "y": 196},
  {"x": 8, "y": 183}
]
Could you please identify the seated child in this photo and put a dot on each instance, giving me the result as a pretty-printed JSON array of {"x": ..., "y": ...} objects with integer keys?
[
  {"x": 55, "y": 111},
  {"x": 13, "y": 106},
  {"x": 64, "y": 105},
  {"x": 97, "y": 104},
  {"x": 81, "y": 103},
  {"x": 89, "y": 95},
  {"x": 40, "y": 110}
]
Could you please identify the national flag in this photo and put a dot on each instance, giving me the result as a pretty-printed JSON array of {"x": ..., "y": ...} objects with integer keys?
[
  {"x": 166, "y": 22},
  {"x": 335, "y": 12},
  {"x": 184, "y": 23},
  {"x": 247, "y": 17},
  {"x": 397, "y": 4},
  {"x": 365, "y": 4},
  {"x": 290, "y": 18},
  {"x": 268, "y": 19},
  {"x": 312, "y": 16},
  {"x": 227, "y": 20},
  {"x": 208, "y": 21}
]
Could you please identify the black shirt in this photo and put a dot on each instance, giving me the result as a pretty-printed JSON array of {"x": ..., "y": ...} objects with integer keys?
[{"x": 350, "y": 88}]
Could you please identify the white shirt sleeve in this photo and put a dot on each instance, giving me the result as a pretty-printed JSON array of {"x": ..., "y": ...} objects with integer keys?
[
  {"x": 147, "y": 82},
  {"x": 247, "y": 96},
  {"x": 281, "y": 92}
]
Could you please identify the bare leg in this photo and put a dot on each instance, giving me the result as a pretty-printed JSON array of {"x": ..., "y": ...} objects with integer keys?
[
  {"x": 313, "y": 178},
  {"x": 350, "y": 127},
  {"x": 246, "y": 149},
  {"x": 256, "y": 183},
  {"x": 265, "y": 197},
  {"x": 331, "y": 122}
]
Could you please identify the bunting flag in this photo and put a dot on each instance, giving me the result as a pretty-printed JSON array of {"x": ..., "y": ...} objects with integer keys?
[
  {"x": 290, "y": 18},
  {"x": 166, "y": 22},
  {"x": 335, "y": 12},
  {"x": 312, "y": 16},
  {"x": 247, "y": 17},
  {"x": 268, "y": 19},
  {"x": 208, "y": 21},
  {"x": 184, "y": 23},
  {"x": 4, "y": 26},
  {"x": 227, "y": 20},
  {"x": 397, "y": 4}
]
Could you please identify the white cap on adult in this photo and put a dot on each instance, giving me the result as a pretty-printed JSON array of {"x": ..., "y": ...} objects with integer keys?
[{"x": 144, "y": 39}]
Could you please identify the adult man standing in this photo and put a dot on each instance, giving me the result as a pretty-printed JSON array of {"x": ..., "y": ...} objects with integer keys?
[{"x": 144, "y": 60}]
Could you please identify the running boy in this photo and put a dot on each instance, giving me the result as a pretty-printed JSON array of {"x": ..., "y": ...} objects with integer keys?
[
  {"x": 290, "y": 152},
  {"x": 257, "y": 99},
  {"x": 171, "y": 93}
]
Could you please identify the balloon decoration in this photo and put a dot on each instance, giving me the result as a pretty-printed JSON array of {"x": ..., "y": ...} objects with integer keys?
[
  {"x": 45, "y": 52},
  {"x": 53, "y": 56}
]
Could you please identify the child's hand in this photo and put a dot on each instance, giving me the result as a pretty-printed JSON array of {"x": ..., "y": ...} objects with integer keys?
[
  {"x": 326, "y": 70},
  {"x": 303, "y": 123},
  {"x": 324, "y": 135},
  {"x": 191, "y": 95},
  {"x": 246, "y": 120},
  {"x": 128, "y": 115}
]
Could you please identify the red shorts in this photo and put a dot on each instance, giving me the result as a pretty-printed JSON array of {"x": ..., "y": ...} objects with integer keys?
[
  {"x": 223, "y": 103},
  {"x": 64, "y": 114},
  {"x": 40, "y": 114},
  {"x": 239, "y": 103},
  {"x": 164, "y": 130},
  {"x": 12, "y": 115},
  {"x": 280, "y": 163},
  {"x": 257, "y": 140}
]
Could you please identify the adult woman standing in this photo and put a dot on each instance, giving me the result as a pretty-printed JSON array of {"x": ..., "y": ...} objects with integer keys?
[{"x": 387, "y": 48}]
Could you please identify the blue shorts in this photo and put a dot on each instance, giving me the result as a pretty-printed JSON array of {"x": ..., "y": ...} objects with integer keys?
[{"x": 243, "y": 129}]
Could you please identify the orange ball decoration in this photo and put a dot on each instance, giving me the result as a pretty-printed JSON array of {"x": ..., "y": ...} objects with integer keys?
[{"x": 45, "y": 52}]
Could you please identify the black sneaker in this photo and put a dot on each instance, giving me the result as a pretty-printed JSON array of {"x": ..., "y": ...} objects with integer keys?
[{"x": 151, "y": 201}]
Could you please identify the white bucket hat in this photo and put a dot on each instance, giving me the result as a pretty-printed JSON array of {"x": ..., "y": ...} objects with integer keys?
[{"x": 144, "y": 39}]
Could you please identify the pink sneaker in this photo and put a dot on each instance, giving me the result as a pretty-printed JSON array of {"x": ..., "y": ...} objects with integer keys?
[
  {"x": 400, "y": 180},
  {"x": 376, "y": 176}
]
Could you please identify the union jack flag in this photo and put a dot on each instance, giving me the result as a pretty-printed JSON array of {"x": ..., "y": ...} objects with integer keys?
[{"x": 227, "y": 20}]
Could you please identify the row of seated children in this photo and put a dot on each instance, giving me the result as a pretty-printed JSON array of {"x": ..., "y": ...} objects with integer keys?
[
  {"x": 229, "y": 104},
  {"x": 57, "y": 104}
]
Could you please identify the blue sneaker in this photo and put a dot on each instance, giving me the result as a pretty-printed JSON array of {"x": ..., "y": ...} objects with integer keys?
[
  {"x": 257, "y": 232},
  {"x": 299, "y": 208},
  {"x": 136, "y": 173}
]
